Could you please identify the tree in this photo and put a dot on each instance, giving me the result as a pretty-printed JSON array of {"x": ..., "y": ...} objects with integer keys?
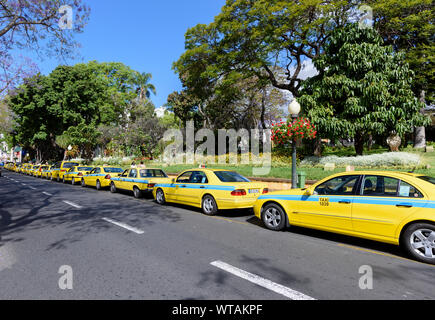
[
  {"x": 91, "y": 94},
  {"x": 144, "y": 88},
  {"x": 144, "y": 131},
  {"x": 270, "y": 40},
  {"x": 409, "y": 26},
  {"x": 84, "y": 136},
  {"x": 363, "y": 87},
  {"x": 35, "y": 25}
]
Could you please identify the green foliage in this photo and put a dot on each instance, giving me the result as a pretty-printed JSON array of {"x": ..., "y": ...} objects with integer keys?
[{"x": 363, "y": 87}]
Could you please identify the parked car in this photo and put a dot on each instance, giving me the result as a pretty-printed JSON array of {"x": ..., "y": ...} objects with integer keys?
[
  {"x": 211, "y": 190},
  {"x": 392, "y": 207},
  {"x": 139, "y": 180},
  {"x": 75, "y": 174},
  {"x": 60, "y": 168},
  {"x": 99, "y": 177}
]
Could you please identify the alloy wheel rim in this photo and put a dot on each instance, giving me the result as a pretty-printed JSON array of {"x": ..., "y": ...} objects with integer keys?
[
  {"x": 272, "y": 217},
  {"x": 159, "y": 196},
  {"x": 423, "y": 243},
  {"x": 208, "y": 205}
]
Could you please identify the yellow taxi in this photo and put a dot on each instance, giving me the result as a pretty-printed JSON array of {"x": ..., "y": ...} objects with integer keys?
[
  {"x": 60, "y": 168},
  {"x": 45, "y": 171},
  {"x": 29, "y": 169},
  {"x": 75, "y": 174},
  {"x": 24, "y": 168},
  {"x": 99, "y": 177},
  {"x": 391, "y": 207},
  {"x": 17, "y": 167},
  {"x": 34, "y": 171},
  {"x": 211, "y": 190},
  {"x": 139, "y": 180},
  {"x": 38, "y": 173}
]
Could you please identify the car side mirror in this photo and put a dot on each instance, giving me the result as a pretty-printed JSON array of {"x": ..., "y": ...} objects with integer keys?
[{"x": 309, "y": 191}]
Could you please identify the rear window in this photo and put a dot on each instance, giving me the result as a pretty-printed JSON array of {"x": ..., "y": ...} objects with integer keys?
[
  {"x": 113, "y": 170},
  {"x": 68, "y": 165},
  {"x": 230, "y": 176},
  {"x": 152, "y": 173},
  {"x": 428, "y": 179}
]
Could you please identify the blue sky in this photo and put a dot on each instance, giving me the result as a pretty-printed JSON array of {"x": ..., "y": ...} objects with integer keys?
[{"x": 146, "y": 35}]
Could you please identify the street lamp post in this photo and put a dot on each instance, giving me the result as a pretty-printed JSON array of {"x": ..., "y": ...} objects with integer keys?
[{"x": 294, "y": 109}]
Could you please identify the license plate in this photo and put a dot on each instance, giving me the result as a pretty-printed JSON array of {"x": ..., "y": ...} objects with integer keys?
[{"x": 254, "y": 191}]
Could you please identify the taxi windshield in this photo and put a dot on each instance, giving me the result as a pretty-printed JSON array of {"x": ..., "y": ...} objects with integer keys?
[
  {"x": 230, "y": 176},
  {"x": 428, "y": 179}
]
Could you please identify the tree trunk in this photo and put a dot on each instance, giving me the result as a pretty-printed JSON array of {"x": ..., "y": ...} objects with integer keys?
[
  {"x": 420, "y": 132},
  {"x": 318, "y": 147},
  {"x": 359, "y": 143}
]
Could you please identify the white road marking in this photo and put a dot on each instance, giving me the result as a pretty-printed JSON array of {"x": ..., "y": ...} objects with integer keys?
[
  {"x": 72, "y": 204},
  {"x": 262, "y": 282},
  {"x": 23, "y": 184},
  {"x": 33, "y": 188},
  {"x": 125, "y": 226},
  {"x": 47, "y": 194}
]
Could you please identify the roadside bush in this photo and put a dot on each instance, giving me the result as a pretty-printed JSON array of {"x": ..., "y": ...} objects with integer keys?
[{"x": 389, "y": 159}]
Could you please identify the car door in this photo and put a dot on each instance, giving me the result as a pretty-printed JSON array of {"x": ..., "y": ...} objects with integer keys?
[
  {"x": 191, "y": 192},
  {"x": 330, "y": 207},
  {"x": 181, "y": 188},
  {"x": 382, "y": 204},
  {"x": 120, "y": 182},
  {"x": 130, "y": 180}
]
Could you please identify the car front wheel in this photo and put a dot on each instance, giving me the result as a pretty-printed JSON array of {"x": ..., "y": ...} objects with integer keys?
[
  {"x": 112, "y": 188},
  {"x": 83, "y": 183},
  {"x": 98, "y": 185},
  {"x": 273, "y": 217},
  {"x": 419, "y": 242}
]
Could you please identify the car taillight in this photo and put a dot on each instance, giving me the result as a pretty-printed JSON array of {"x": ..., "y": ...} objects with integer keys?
[
  {"x": 151, "y": 185},
  {"x": 107, "y": 177},
  {"x": 265, "y": 190},
  {"x": 62, "y": 170},
  {"x": 239, "y": 192}
]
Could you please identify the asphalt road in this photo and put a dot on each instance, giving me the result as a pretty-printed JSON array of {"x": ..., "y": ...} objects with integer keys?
[{"x": 119, "y": 247}]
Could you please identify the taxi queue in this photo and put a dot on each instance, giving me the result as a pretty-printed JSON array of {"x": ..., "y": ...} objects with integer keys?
[{"x": 385, "y": 206}]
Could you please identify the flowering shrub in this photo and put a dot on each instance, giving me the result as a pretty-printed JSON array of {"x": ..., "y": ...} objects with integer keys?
[
  {"x": 389, "y": 159},
  {"x": 285, "y": 132}
]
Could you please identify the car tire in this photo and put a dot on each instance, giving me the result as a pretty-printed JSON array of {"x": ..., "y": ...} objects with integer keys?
[
  {"x": 418, "y": 240},
  {"x": 58, "y": 179},
  {"x": 83, "y": 183},
  {"x": 137, "y": 193},
  {"x": 274, "y": 217},
  {"x": 209, "y": 206},
  {"x": 73, "y": 181},
  {"x": 63, "y": 180},
  {"x": 112, "y": 188},
  {"x": 98, "y": 185},
  {"x": 160, "y": 197}
]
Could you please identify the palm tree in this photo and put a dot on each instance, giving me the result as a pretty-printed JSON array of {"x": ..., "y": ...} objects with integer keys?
[{"x": 144, "y": 88}]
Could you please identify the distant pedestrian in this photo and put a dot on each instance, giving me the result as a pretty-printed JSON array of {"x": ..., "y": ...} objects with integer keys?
[
  {"x": 142, "y": 165},
  {"x": 133, "y": 165}
]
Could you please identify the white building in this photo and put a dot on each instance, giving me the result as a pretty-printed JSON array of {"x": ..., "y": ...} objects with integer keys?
[{"x": 160, "y": 112}]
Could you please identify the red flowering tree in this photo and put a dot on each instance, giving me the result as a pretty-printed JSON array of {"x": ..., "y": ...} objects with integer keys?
[{"x": 284, "y": 133}]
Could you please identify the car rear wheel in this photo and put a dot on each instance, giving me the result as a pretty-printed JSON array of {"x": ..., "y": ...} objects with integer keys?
[
  {"x": 209, "y": 206},
  {"x": 63, "y": 180},
  {"x": 419, "y": 242},
  {"x": 112, "y": 188},
  {"x": 137, "y": 193},
  {"x": 274, "y": 217},
  {"x": 160, "y": 196},
  {"x": 73, "y": 182}
]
